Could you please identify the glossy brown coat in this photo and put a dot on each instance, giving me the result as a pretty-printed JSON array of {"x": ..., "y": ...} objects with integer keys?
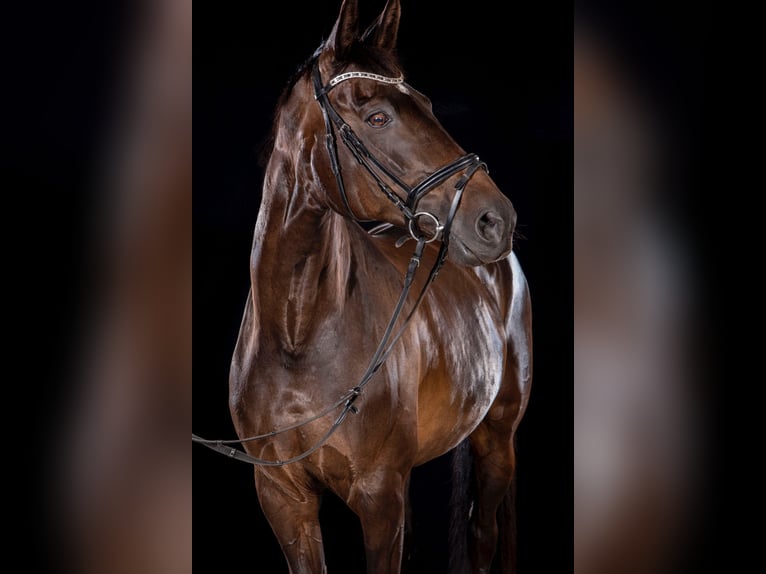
[{"x": 322, "y": 291}]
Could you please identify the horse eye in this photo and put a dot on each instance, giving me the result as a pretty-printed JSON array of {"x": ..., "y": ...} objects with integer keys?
[{"x": 378, "y": 119}]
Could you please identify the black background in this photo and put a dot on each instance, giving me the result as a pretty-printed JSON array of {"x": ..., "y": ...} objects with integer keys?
[
  {"x": 62, "y": 65},
  {"x": 500, "y": 77}
]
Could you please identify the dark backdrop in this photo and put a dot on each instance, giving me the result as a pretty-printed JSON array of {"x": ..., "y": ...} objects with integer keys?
[{"x": 500, "y": 77}]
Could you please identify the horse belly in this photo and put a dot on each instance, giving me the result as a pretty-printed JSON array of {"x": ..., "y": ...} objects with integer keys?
[{"x": 454, "y": 398}]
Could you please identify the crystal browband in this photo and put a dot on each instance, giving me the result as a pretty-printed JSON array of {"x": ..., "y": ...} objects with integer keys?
[{"x": 366, "y": 75}]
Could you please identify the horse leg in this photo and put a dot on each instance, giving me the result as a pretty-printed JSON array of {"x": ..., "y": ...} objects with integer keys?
[
  {"x": 494, "y": 454},
  {"x": 379, "y": 501},
  {"x": 492, "y": 444},
  {"x": 494, "y": 462},
  {"x": 293, "y": 513}
]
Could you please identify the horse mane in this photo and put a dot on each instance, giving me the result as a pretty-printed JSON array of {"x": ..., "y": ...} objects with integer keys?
[{"x": 368, "y": 57}]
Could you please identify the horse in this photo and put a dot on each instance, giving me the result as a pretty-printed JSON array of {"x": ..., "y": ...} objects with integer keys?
[{"x": 353, "y": 366}]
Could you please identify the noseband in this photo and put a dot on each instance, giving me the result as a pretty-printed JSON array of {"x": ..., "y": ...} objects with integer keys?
[{"x": 468, "y": 163}]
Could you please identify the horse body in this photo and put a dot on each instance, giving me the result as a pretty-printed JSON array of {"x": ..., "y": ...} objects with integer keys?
[
  {"x": 437, "y": 386},
  {"x": 297, "y": 355},
  {"x": 322, "y": 292}
]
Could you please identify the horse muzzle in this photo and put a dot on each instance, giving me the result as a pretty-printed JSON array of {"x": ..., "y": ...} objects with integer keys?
[{"x": 483, "y": 235}]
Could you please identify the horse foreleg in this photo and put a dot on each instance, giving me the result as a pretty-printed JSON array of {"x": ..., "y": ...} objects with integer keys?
[
  {"x": 379, "y": 501},
  {"x": 293, "y": 513}
]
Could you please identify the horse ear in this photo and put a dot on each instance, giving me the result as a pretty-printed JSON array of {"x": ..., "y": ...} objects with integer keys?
[
  {"x": 346, "y": 29},
  {"x": 382, "y": 32}
]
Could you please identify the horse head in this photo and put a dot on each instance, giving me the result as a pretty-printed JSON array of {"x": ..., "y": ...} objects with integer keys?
[{"x": 398, "y": 165}]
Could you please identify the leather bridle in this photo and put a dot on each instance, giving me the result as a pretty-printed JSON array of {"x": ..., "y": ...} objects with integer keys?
[{"x": 469, "y": 164}]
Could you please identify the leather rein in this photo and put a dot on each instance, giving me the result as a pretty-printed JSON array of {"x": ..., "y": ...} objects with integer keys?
[{"x": 468, "y": 164}]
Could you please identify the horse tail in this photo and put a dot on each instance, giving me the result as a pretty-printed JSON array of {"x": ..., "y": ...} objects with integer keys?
[{"x": 461, "y": 500}]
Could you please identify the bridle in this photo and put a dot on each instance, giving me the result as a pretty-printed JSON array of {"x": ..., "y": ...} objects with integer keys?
[{"x": 469, "y": 164}]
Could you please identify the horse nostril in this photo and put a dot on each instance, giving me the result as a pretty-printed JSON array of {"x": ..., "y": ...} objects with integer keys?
[{"x": 490, "y": 227}]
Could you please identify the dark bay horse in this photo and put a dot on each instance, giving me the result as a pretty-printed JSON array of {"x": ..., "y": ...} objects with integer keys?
[{"x": 353, "y": 142}]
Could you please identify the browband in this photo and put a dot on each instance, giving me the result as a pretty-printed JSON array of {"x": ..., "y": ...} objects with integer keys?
[{"x": 367, "y": 76}]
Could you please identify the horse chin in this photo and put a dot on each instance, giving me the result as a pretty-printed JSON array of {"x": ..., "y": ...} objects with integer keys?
[
  {"x": 460, "y": 254},
  {"x": 463, "y": 255}
]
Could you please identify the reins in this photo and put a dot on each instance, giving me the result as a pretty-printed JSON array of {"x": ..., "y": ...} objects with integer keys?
[{"x": 468, "y": 164}]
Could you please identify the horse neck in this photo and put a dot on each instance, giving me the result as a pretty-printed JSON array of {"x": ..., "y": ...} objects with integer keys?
[{"x": 301, "y": 257}]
